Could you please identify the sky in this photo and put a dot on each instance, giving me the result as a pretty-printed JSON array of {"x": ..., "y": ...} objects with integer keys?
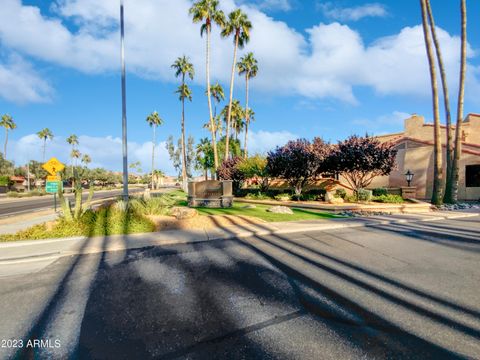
[{"x": 326, "y": 68}]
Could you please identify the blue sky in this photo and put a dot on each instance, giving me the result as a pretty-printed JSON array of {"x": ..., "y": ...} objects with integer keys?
[{"x": 327, "y": 69}]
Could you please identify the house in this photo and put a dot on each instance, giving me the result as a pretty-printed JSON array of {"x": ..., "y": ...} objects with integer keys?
[{"x": 415, "y": 153}]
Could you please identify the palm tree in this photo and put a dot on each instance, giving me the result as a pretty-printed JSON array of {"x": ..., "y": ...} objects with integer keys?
[
  {"x": 154, "y": 120},
  {"x": 216, "y": 90},
  {"x": 247, "y": 66},
  {"x": 75, "y": 154},
  {"x": 237, "y": 115},
  {"x": 206, "y": 12},
  {"x": 238, "y": 25},
  {"x": 45, "y": 134},
  {"x": 437, "y": 151},
  {"x": 8, "y": 123},
  {"x": 86, "y": 159},
  {"x": 446, "y": 103},
  {"x": 461, "y": 94},
  {"x": 73, "y": 141},
  {"x": 184, "y": 67}
]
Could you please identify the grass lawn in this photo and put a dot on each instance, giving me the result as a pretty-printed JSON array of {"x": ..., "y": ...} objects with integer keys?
[{"x": 261, "y": 212}]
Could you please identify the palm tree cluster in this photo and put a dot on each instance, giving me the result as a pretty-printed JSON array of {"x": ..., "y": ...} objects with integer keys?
[
  {"x": 453, "y": 150},
  {"x": 9, "y": 125},
  {"x": 236, "y": 118}
]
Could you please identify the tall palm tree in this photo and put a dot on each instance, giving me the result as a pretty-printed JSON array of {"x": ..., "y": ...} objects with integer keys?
[
  {"x": 184, "y": 92},
  {"x": 73, "y": 141},
  {"x": 86, "y": 159},
  {"x": 437, "y": 151},
  {"x": 207, "y": 12},
  {"x": 154, "y": 120},
  {"x": 216, "y": 91},
  {"x": 247, "y": 66},
  {"x": 446, "y": 103},
  {"x": 184, "y": 67},
  {"x": 45, "y": 134},
  {"x": 239, "y": 26},
  {"x": 8, "y": 123},
  {"x": 75, "y": 154},
  {"x": 461, "y": 94},
  {"x": 237, "y": 114}
]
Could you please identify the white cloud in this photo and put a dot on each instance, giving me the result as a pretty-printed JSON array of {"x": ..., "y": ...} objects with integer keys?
[
  {"x": 20, "y": 83},
  {"x": 329, "y": 62},
  {"x": 260, "y": 142},
  {"x": 393, "y": 122},
  {"x": 355, "y": 13},
  {"x": 105, "y": 152}
]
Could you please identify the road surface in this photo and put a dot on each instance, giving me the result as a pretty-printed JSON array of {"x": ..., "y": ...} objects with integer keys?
[
  {"x": 401, "y": 291},
  {"x": 9, "y": 207}
]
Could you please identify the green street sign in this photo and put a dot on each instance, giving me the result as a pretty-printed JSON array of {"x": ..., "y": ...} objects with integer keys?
[{"x": 51, "y": 187}]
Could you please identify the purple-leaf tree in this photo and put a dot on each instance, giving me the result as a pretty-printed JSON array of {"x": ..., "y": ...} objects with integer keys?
[
  {"x": 228, "y": 170},
  {"x": 360, "y": 159},
  {"x": 298, "y": 162}
]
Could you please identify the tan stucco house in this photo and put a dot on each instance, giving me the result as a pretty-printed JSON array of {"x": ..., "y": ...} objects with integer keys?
[{"x": 415, "y": 153}]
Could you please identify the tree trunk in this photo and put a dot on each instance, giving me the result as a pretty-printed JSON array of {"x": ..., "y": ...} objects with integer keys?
[
  {"x": 6, "y": 142},
  {"x": 184, "y": 145},
  {"x": 153, "y": 154},
  {"x": 446, "y": 100},
  {"x": 229, "y": 112},
  {"x": 247, "y": 119},
  {"x": 44, "y": 145},
  {"x": 461, "y": 93},
  {"x": 437, "y": 151},
  {"x": 212, "y": 124}
]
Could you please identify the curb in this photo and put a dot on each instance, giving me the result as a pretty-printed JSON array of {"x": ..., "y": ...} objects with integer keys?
[{"x": 226, "y": 235}]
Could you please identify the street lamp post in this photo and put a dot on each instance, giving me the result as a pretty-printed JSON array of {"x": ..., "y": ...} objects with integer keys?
[
  {"x": 409, "y": 176},
  {"x": 124, "y": 108}
]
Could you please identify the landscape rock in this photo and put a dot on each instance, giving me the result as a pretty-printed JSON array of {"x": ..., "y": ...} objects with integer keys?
[
  {"x": 182, "y": 213},
  {"x": 280, "y": 210},
  {"x": 251, "y": 206}
]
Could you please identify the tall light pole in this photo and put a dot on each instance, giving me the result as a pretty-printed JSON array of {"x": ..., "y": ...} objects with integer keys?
[{"x": 124, "y": 109}]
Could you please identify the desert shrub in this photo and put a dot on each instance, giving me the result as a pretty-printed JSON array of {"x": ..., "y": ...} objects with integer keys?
[
  {"x": 389, "y": 198},
  {"x": 257, "y": 196},
  {"x": 283, "y": 197},
  {"x": 340, "y": 193},
  {"x": 364, "y": 195},
  {"x": 350, "y": 198},
  {"x": 379, "y": 192},
  {"x": 13, "y": 194},
  {"x": 153, "y": 206}
]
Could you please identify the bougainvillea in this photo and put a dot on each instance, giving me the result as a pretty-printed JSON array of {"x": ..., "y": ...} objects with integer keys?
[{"x": 228, "y": 170}]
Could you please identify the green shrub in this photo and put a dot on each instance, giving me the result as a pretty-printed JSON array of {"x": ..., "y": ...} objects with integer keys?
[
  {"x": 257, "y": 196},
  {"x": 283, "y": 197},
  {"x": 340, "y": 193},
  {"x": 13, "y": 194},
  {"x": 350, "y": 198},
  {"x": 364, "y": 195},
  {"x": 309, "y": 197},
  {"x": 379, "y": 192},
  {"x": 389, "y": 198},
  {"x": 153, "y": 206},
  {"x": 4, "y": 180}
]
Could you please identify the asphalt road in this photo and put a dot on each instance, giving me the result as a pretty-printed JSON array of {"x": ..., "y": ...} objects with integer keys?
[
  {"x": 406, "y": 291},
  {"x": 11, "y": 207}
]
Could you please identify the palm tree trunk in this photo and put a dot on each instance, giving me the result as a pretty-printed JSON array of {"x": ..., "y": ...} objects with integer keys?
[
  {"x": 247, "y": 119},
  {"x": 446, "y": 101},
  {"x": 6, "y": 142},
  {"x": 461, "y": 93},
  {"x": 153, "y": 153},
  {"x": 229, "y": 112},
  {"x": 212, "y": 124},
  {"x": 437, "y": 151},
  {"x": 184, "y": 145},
  {"x": 44, "y": 145}
]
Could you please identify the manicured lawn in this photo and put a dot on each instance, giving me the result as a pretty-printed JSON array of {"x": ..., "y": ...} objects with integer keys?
[{"x": 261, "y": 212}]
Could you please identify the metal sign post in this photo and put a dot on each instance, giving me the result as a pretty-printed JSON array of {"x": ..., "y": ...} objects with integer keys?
[{"x": 54, "y": 183}]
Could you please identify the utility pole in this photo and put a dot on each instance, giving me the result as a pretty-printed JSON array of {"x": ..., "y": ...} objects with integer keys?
[
  {"x": 28, "y": 175},
  {"x": 124, "y": 108}
]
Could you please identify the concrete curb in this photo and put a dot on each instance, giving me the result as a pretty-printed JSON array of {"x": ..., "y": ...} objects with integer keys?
[{"x": 73, "y": 246}]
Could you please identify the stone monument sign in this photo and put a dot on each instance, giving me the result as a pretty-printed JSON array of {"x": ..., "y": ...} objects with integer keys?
[{"x": 210, "y": 193}]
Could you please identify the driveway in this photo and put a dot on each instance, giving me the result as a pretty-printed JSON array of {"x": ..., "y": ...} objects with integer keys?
[{"x": 397, "y": 291}]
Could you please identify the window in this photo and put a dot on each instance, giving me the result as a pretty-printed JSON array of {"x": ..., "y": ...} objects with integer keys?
[{"x": 472, "y": 175}]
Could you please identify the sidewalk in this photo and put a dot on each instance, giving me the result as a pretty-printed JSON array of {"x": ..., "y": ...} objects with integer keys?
[{"x": 45, "y": 252}]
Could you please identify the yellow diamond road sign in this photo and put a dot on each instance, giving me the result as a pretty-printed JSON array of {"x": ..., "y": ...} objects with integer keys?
[{"x": 53, "y": 166}]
